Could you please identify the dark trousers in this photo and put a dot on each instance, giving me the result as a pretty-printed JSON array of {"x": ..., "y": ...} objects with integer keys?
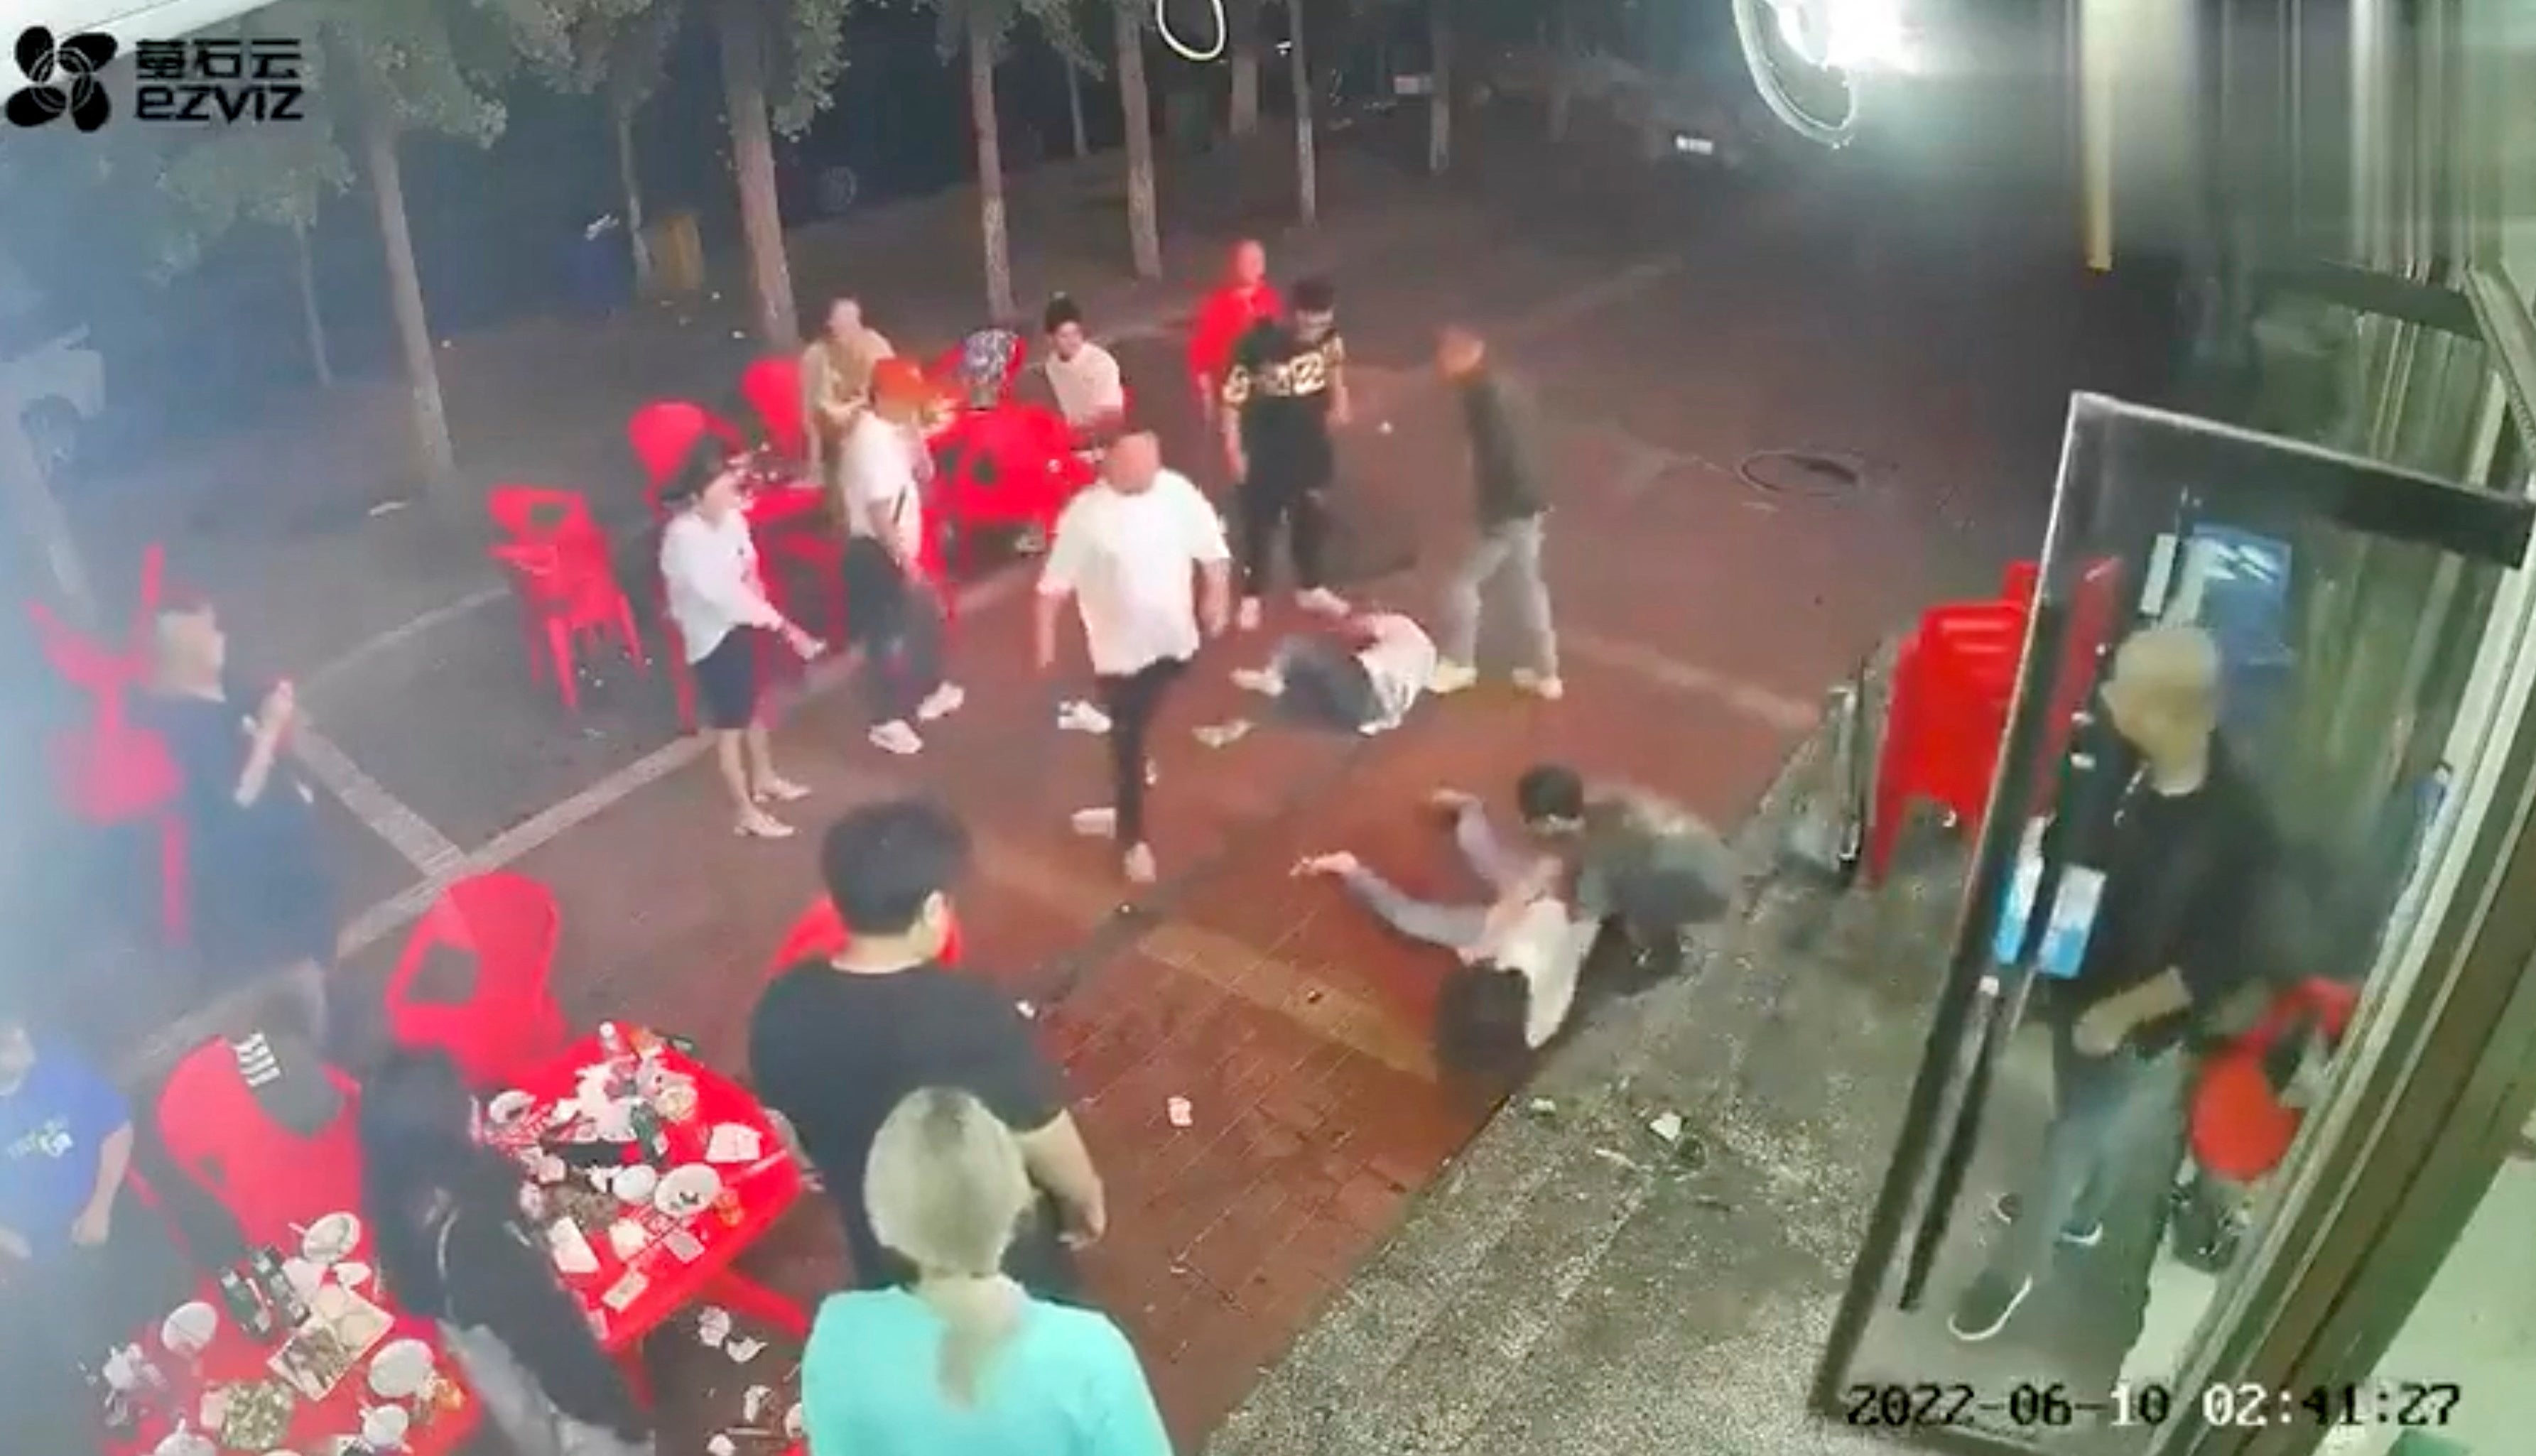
[
  {"x": 1132, "y": 702},
  {"x": 895, "y": 622},
  {"x": 1269, "y": 500}
]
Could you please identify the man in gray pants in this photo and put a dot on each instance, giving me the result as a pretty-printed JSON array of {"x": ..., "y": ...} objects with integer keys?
[{"x": 1505, "y": 471}]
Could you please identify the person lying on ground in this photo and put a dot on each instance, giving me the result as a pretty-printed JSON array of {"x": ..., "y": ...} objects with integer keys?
[
  {"x": 1635, "y": 861},
  {"x": 1361, "y": 678},
  {"x": 1522, "y": 952}
]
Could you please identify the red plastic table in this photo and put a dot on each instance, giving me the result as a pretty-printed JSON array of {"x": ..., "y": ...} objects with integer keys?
[
  {"x": 757, "y": 1194},
  {"x": 233, "y": 1356}
]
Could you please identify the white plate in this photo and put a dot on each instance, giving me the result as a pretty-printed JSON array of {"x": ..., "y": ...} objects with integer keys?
[
  {"x": 351, "y": 1276},
  {"x": 509, "y": 1107},
  {"x": 687, "y": 1191},
  {"x": 189, "y": 1330},
  {"x": 635, "y": 1185},
  {"x": 401, "y": 1370},
  {"x": 331, "y": 1239}
]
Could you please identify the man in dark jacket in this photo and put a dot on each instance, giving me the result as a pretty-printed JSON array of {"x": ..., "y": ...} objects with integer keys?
[{"x": 1505, "y": 469}]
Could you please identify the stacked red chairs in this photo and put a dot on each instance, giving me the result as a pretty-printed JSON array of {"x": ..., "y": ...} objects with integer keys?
[
  {"x": 111, "y": 772},
  {"x": 664, "y": 431},
  {"x": 1011, "y": 466},
  {"x": 565, "y": 596},
  {"x": 773, "y": 389},
  {"x": 1953, "y": 683},
  {"x": 500, "y": 931},
  {"x": 272, "y": 1180}
]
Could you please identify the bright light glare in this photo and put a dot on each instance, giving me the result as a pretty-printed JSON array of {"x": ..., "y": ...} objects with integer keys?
[
  {"x": 1846, "y": 35},
  {"x": 1867, "y": 35}
]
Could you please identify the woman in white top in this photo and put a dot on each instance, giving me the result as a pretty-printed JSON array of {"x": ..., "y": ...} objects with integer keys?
[
  {"x": 1522, "y": 953},
  {"x": 1363, "y": 678},
  {"x": 717, "y": 602}
]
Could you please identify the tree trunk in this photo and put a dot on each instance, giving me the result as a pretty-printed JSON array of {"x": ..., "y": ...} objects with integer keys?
[
  {"x": 1307, "y": 168},
  {"x": 1144, "y": 234},
  {"x": 1440, "y": 100},
  {"x": 1074, "y": 108},
  {"x": 38, "y": 518},
  {"x": 405, "y": 294},
  {"x": 1241, "y": 17},
  {"x": 752, "y": 157},
  {"x": 303, "y": 260},
  {"x": 1562, "y": 68},
  {"x": 990, "y": 167},
  {"x": 629, "y": 180}
]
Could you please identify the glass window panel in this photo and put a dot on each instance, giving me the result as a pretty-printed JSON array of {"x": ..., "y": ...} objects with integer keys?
[{"x": 2061, "y": 1217}]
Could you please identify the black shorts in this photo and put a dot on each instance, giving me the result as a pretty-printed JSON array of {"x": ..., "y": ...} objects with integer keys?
[{"x": 727, "y": 681}]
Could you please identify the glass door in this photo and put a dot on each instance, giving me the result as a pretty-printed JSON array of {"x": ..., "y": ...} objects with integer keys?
[{"x": 2249, "y": 707}]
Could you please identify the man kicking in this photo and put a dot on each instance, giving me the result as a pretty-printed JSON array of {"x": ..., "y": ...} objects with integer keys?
[
  {"x": 1521, "y": 952},
  {"x": 1361, "y": 678}
]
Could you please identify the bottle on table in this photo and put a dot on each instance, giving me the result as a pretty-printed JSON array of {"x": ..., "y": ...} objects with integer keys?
[
  {"x": 244, "y": 1305},
  {"x": 278, "y": 1291}
]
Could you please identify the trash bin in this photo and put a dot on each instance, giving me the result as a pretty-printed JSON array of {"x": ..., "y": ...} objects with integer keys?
[
  {"x": 601, "y": 269},
  {"x": 677, "y": 256}
]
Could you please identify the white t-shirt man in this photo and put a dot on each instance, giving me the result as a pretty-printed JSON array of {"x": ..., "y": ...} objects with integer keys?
[
  {"x": 1087, "y": 386},
  {"x": 878, "y": 470},
  {"x": 1130, "y": 563},
  {"x": 1400, "y": 662},
  {"x": 710, "y": 570}
]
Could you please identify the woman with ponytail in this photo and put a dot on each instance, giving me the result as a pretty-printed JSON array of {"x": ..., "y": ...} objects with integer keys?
[{"x": 962, "y": 1362}]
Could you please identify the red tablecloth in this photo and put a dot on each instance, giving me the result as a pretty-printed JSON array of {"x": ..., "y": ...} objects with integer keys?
[
  {"x": 233, "y": 1356},
  {"x": 669, "y": 1271}
]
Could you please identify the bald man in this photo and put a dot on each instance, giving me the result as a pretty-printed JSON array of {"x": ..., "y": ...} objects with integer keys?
[{"x": 2177, "y": 870}]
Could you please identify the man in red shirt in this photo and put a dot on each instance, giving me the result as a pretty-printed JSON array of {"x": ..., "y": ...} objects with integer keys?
[{"x": 1244, "y": 298}]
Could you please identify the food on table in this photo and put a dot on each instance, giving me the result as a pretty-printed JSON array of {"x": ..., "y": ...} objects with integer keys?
[
  {"x": 628, "y": 1239},
  {"x": 189, "y": 1330},
  {"x": 587, "y": 1208},
  {"x": 730, "y": 1142},
  {"x": 509, "y": 1107},
  {"x": 258, "y": 1418},
  {"x": 688, "y": 1191},
  {"x": 401, "y": 1370},
  {"x": 331, "y": 1239},
  {"x": 676, "y": 1099}
]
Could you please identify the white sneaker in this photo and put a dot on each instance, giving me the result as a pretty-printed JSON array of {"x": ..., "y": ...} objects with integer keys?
[
  {"x": 1094, "y": 822},
  {"x": 1247, "y": 616},
  {"x": 1547, "y": 689},
  {"x": 942, "y": 702},
  {"x": 1075, "y": 716},
  {"x": 895, "y": 736},
  {"x": 1451, "y": 677},
  {"x": 779, "y": 791},
  {"x": 1323, "y": 601}
]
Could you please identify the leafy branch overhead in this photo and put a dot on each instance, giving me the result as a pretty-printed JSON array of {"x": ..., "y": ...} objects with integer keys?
[{"x": 997, "y": 19}]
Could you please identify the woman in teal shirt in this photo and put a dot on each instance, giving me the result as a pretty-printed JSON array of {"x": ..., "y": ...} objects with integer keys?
[{"x": 962, "y": 1362}]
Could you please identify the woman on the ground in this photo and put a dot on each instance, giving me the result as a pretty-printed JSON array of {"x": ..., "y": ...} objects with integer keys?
[
  {"x": 446, "y": 1219},
  {"x": 718, "y": 603},
  {"x": 963, "y": 1362}
]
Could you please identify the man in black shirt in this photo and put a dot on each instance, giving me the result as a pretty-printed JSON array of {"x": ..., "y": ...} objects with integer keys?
[
  {"x": 2183, "y": 862},
  {"x": 263, "y": 897},
  {"x": 1284, "y": 393},
  {"x": 1509, "y": 501},
  {"x": 836, "y": 1043}
]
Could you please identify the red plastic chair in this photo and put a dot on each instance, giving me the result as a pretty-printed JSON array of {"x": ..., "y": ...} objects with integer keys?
[
  {"x": 543, "y": 516},
  {"x": 1014, "y": 466},
  {"x": 821, "y": 932},
  {"x": 111, "y": 772},
  {"x": 270, "y": 1178},
  {"x": 2241, "y": 1129},
  {"x": 772, "y": 386},
  {"x": 664, "y": 431},
  {"x": 1953, "y": 683},
  {"x": 505, "y": 928},
  {"x": 566, "y": 597}
]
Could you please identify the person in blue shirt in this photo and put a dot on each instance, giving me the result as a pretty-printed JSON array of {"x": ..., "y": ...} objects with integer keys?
[
  {"x": 80, "y": 1267},
  {"x": 963, "y": 1362}
]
